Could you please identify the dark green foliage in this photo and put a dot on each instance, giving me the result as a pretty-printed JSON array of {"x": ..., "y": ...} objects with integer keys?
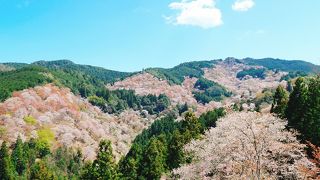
[
  {"x": 297, "y": 104},
  {"x": 255, "y": 73},
  {"x": 27, "y": 162},
  {"x": 98, "y": 73},
  {"x": 280, "y": 101},
  {"x": 284, "y": 65},
  {"x": 292, "y": 75},
  {"x": 312, "y": 114},
  {"x": 204, "y": 84},
  {"x": 6, "y": 169},
  {"x": 155, "y": 158},
  {"x": 160, "y": 148},
  {"x": 182, "y": 108},
  {"x": 69, "y": 162},
  {"x": 176, "y": 155},
  {"x": 16, "y": 65},
  {"x": 18, "y": 157},
  {"x": 80, "y": 83},
  {"x": 209, "y": 91},
  {"x": 191, "y": 126},
  {"x": 104, "y": 166},
  {"x": 164, "y": 125},
  {"x": 289, "y": 86},
  {"x": 130, "y": 165},
  {"x": 118, "y": 100},
  {"x": 21, "y": 79},
  {"x": 40, "y": 170},
  {"x": 176, "y": 74},
  {"x": 209, "y": 118},
  {"x": 43, "y": 148},
  {"x": 98, "y": 101},
  {"x": 303, "y": 109},
  {"x": 31, "y": 76}
]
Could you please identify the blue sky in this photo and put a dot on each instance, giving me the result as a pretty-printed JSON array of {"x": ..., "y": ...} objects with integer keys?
[{"x": 129, "y": 35}]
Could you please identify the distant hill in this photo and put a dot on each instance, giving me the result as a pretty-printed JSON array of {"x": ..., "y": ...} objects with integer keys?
[
  {"x": 173, "y": 75},
  {"x": 100, "y": 73},
  {"x": 176, "y": 74},
  {"x": 16, "y": 65},
  {"x": 284, "y": 65},
  {"x": 86, "y": 79}
]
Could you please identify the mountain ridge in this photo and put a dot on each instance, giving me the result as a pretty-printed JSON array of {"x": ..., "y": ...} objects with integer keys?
[{"x": 247, "y": 60}]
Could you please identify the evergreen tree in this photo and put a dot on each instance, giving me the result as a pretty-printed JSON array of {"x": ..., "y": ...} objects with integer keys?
[
  {"x": 75, "y": 164},
  {"x": 104, "y": 166},
  {"x": 295, "y": 112},
  {"x": 312, "y": 114},
  {"x": 40, "y": 171},
  {"x": 280, "y": 101},
  {"x": 176, "y": 154},
  {"x": 289, "y": 86},
  {"x": 6, "y": 170},
  {"x": 30, "y": 151},
  {"x": 192, "y": 125},
  {"x": 154, "y": 159},
  {"x": 18, "y": 157},
  {"x": 86, "y": 172},
  {"x": 129, "y": 166}
]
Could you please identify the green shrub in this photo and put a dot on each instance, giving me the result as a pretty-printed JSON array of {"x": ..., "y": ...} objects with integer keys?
[
  {"x": 30, "y": 120},
  {"x": 3, "y": 131},
  {"x": 45, "y": 135}
]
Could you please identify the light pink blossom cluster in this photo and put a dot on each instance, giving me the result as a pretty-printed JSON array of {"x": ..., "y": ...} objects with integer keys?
[{"x": 246, "y": 146}]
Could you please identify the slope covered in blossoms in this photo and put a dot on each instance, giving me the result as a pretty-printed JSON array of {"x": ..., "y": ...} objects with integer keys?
[{"x": 50, "y": 110}]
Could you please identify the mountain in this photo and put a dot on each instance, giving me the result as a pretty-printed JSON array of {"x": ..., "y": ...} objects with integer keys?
[
  {"x": 73, "y": 121},
  {"x": 284, "y": 65},
  {"x": 63, "y": 115},
  {"x": 99, "y": 73}
]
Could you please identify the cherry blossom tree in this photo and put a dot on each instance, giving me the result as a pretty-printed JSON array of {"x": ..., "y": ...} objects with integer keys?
[{"x": 246, "y": 146}]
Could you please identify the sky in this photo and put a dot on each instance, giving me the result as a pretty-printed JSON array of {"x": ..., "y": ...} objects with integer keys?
[{"x": 129, "y": 35}]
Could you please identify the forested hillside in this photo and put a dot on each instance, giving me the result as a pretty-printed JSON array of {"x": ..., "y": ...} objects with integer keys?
[
  {"x": 232, "y": 119},
  {"x": 176, "y": 74},
  {"x": 284, "y": 65},
  {"x": 80, "y": 83},
  {"x": 97, "y": 73},
  {"x": 15, "y": 80}
]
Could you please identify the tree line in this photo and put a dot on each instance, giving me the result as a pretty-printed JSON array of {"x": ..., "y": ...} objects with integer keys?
[{"x": 301, "y": 107}]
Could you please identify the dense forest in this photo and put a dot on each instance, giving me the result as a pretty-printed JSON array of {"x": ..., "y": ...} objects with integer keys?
[
  {"x": 22, "y": 79},
  {"x": 34, "y": 160},
  {"x": 283, "y": 65},
  {"x": 98, "y": 73},
  {"x": 116, "y": 101},
  {"x": 255, "y": 73},
  {"x": 208, "y": 91},
  {"x": 176, "y": 74},
  {"x": 301, "y": 107}
]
